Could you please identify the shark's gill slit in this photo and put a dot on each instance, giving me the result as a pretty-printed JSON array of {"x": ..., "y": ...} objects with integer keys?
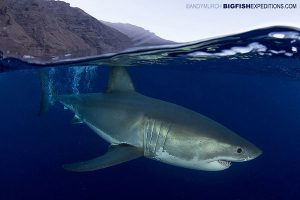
[
  {"x": 166, "y": 136},
  {"x": 152, "y": 130},
  {"x": 157, "y": 138},
  {"x": 146, "y": 145}
]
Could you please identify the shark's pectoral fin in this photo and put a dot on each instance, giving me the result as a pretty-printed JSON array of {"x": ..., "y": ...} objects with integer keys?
[{"x": 115, "y": 155}]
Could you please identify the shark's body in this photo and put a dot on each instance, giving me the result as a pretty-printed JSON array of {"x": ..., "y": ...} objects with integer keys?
[{"x": 136, "y": 125}]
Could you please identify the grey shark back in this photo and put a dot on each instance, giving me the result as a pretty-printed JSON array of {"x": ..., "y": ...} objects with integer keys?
[{"x": 137, "y": 125}]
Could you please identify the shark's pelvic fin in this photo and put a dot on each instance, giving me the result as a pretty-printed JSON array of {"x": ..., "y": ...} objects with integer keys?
[
  {"x": 115, "y": 155},
  {"x": 119, "y": 80}
]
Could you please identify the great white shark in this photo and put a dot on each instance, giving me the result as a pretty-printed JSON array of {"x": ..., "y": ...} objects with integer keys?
[{"x": 136, "y": 125}]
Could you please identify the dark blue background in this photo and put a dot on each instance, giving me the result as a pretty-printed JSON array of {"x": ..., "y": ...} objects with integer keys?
[{"x": 263, "y": 107}]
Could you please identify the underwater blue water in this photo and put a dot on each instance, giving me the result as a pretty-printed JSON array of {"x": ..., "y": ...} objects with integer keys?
[{"x": 255, "y": 94}]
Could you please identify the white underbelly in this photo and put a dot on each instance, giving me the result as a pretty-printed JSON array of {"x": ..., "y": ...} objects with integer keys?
[{"x": 102, "y": 134}]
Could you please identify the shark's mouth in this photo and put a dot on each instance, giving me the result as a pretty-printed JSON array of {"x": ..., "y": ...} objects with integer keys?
[{"x": 224, "y": 163}]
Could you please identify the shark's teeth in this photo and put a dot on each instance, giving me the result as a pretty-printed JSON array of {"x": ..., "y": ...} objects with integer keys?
[{"x": 225, "y": 163}]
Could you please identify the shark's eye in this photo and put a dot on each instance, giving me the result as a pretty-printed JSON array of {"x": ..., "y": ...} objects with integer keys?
[{"x": 239, "y": 150}]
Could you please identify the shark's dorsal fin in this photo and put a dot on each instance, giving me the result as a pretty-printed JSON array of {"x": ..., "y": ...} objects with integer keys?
[
  {"x": 115, "y": 155},
  {"x": 119, "y": 80}
]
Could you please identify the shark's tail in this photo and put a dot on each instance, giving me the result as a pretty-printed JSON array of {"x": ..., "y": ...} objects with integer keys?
[{"x": 47, "y": 93}]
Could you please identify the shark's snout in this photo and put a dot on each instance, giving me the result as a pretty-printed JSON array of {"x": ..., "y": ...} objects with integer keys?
[{"x": 252, "y": 152}]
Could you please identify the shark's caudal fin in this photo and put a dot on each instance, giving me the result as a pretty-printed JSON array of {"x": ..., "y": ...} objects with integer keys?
[
  {"x": 46, "y": 92},
  {"x": 119, "y": 80},
  {"x": 115, "y": 155}
]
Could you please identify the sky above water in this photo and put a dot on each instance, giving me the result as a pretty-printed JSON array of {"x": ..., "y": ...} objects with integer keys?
[{"x": 172, "y": 20}]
